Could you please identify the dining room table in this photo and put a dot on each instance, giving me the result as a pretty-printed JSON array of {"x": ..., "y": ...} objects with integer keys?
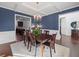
[{"x": 43, "y": 38}]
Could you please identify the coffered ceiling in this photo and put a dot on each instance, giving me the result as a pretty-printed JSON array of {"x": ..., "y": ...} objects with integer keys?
[{"x": 39, "y": 8}]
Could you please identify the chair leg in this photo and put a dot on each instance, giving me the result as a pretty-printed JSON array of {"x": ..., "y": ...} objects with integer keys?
[
  {"x": 54, "y": 49},
  {"x": 50, "y": 51},
  {"x": 30, "y": 46},
  {"x": 35, "y": 49},
  {"x": 24, "y": 42}
]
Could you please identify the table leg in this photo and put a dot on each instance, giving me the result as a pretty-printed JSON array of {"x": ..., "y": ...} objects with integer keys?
[
  {"x": 35, "y": 49},
  {"x": 42, "y": 49}
]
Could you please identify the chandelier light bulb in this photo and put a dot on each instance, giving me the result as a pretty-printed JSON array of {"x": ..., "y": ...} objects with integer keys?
[{"x": 37, "y": 17}]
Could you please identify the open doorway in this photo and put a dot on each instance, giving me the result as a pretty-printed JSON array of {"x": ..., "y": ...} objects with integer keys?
[
  {"x": 22, "y": 24},
  {"x": 66, "y": 28},
  {"x": 66, "y": 20}
]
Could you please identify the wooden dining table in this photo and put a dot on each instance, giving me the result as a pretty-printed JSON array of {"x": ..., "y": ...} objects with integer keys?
[{"x": 42, "y": 39}]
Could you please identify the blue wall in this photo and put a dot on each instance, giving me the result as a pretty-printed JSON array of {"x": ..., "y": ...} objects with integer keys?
[
  {"x": 51, "y": 21},
  {"x": 7, "y": 21},
  {"x": 70, "y": 10},
  {"x": 48, "y": 22}
]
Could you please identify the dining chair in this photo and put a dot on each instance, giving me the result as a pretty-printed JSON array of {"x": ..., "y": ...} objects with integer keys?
[
  {"x": 46, "y": 33},
  {"x": 42, "y": 41},
  {"x": 24, "y": 37},
  {"x": 27, "y": 38},
  {"x": 52, "y": 43},
  {"x": 32, "y": 42}
]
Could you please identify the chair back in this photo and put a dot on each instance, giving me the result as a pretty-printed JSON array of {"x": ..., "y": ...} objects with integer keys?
[
  {"x": 53, "y": 38},
  {"x": 26, "y": 34},
  {"x": 46, "y": 32},
  {"x": 31, "y": 37}
]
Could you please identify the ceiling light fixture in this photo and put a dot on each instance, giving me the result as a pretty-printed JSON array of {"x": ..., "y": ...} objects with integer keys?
[{"x": 37, "y": 17}]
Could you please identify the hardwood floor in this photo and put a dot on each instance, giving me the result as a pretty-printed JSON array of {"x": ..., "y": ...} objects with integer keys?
[
  {"x": 5, "y": 49},
  {"x": 18, "y": 37},
  {"x": 72, "y": 44}
]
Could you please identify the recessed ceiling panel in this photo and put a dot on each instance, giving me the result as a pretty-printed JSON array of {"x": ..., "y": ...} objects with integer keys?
[{"x": 37, "y": 5}]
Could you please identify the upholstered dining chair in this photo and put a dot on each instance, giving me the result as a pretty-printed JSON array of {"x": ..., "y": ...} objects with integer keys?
[
  {"x": 24, "y": 37},
  {"x": 46, "y": 32},
  {"x": 52, "y": 43},
  {"x": 32, "y": 41},
  {"x": 43, "y": 39}
]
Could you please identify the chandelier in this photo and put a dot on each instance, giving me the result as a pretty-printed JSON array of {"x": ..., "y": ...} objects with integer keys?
[{"x": 37, "y": 17}]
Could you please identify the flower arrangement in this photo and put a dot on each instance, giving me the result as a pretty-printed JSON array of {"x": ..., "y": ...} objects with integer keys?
[{"x": 36, "y": 31}]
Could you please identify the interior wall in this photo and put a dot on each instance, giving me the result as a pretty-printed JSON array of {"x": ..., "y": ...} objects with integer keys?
[
  {"x": 68, "y": 18},
  {"x": 50, "y": 22},
  {"x": 7, "y": 25},
  {"x": 6, "y": 20}
]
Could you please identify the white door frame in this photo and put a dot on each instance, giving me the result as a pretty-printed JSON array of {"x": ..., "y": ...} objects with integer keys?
[{"x": 15, "y": 22}]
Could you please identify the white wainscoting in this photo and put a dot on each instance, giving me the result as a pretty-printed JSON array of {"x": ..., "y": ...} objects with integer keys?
[
  {"x": 52, "y": 32},
  {"x": 7, "y": 36}
]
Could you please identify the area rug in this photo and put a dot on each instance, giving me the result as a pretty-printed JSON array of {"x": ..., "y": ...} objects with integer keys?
[{"x": 20, "y": 50}]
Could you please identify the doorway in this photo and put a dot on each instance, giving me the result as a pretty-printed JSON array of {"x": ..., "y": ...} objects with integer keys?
[
  {"x": 22, "y": 23},
  {"x": 63, "y": 25}
]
